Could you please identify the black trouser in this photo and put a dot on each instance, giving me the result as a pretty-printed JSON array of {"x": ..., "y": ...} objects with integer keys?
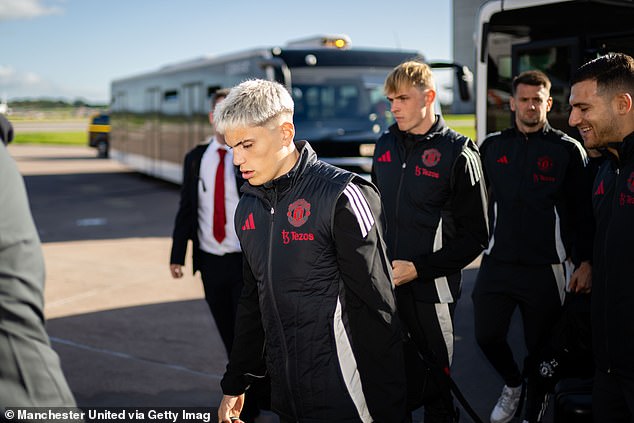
[
  {"x": 612, "y": 398},
  {"x": 431, "y": 327},
  {"x": 499, "y": 289},
  {"x": 222, "y": 280}
]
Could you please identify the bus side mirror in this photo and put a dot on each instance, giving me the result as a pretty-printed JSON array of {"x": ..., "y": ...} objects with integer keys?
[
  {"x": 281, "y": 72},
  {"x": 463, "y": 76}
]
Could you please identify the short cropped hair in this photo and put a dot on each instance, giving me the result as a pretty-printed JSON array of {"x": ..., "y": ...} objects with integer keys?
[
  {"x": 612, "y": 72},
  {"x": 410, "y": 73},
  {"x": 218, "y": 95},
  {"x": 535, "y": 78},
  {"x": 254, "y": 102}
]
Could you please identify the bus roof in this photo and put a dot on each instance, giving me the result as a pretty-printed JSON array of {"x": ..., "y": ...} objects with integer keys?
[{"x": 293, "y": 57}]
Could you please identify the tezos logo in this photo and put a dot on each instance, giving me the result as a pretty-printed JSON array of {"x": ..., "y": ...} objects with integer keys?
[
  {"x": 298, "y": 212},
  {"x": 431, "y": 157},
  {"x": 287, "y": 236}
]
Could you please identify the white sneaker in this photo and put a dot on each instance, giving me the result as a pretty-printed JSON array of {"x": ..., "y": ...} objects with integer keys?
[{"x": 507, "y": 405}]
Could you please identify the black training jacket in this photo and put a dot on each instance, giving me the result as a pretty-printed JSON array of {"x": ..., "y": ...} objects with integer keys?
[
  {"x": 318, "y": 309},
  {"x": 612, "y": 277},
  {"x": 539, "y": 197},
  {"x": 435, "y": 205}
]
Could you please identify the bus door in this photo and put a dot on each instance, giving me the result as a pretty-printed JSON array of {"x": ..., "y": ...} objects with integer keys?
[
  {"x": 557, "y": 59},
  {"x": 187, "y": 130},
  {"x": 192, "y": 107},
  {"x": 151, "y": 144}
]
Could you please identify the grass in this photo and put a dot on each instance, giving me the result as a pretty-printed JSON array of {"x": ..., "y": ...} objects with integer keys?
[
  {"x": 464, "y": 124},
  {"x": 58, "y": 138}
]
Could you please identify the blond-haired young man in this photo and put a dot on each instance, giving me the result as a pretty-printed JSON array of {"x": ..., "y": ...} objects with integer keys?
[{"x": 432, "y": 189}]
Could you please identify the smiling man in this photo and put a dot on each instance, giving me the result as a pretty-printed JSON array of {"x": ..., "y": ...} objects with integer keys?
[
  {"x": 540, "y": 207},
  {"x": 602, "y": 100},
  {"x": 317, "y": 311}
]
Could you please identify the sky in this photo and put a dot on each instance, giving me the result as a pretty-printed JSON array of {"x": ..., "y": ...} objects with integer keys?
[{"x": 73, "y": 49}]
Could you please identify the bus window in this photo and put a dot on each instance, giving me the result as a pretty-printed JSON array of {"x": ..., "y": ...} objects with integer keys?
[
  {"x": 518, "y": 36},
  {"x": 557, "y": 59}
]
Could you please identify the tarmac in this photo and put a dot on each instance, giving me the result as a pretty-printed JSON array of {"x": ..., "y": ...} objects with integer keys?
[{"x": 128, "y": 335}]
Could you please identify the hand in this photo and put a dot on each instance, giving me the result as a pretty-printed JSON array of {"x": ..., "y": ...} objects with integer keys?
[
  {"x": 230, "y": 407},
  {"x": 581, "y": 279},
  {"x": 403, "y": 271},
  {"x": 176, "y": 270}
]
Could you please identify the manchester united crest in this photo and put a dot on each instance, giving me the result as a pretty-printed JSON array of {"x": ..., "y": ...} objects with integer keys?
[
  {"x": 545, "y": 164},
  {"x": 431, "y": 157},
  {"x": 298, "y": 212}
]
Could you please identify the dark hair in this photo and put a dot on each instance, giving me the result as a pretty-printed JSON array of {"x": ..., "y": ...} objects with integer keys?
[
  {"x": 614, "y": 71},
  {"x": 220, "y": 93},
  {"x": 531, "y": 77}
]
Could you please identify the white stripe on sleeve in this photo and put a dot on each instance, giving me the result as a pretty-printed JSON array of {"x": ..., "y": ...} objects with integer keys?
[
  {"x": 360, "y": 208},
  {"x": 348, "y": 366}
]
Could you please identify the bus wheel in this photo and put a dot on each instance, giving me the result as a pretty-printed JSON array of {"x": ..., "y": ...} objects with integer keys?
[{"x": 102, "y": 149}]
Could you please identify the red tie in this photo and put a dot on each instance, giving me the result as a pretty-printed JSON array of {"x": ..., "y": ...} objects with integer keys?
[{"x": 220, "y": 217}]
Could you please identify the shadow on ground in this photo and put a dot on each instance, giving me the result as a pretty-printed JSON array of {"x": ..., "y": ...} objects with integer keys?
[
  {"x": 154, "y": 355},
  {"x": 92, "y": 206}
]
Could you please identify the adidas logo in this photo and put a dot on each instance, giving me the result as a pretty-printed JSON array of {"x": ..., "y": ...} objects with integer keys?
[
  {"x": 600, "y": 190},
  {"x": 503, "y": 160},
  {"x": 385, "y": 157},
  {"x": 248, "y": 224}
]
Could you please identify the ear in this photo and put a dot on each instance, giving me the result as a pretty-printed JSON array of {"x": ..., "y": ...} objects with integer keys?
[
  {"x": 430, "y": 96},
  {"x": 512, "y": 103},
  {"x": 549, "y": 104},
  {"x": 288, "y": 133},
  {"x": 211, "y": 117},
  {"x": 623, "y": 103}
]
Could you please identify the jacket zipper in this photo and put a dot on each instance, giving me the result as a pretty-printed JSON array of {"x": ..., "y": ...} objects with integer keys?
[
  {"x": 607, "y": 268},
  {"x": 398, "y": 194},
  {"x": 522, "y": 188},
  {"x": 274, "y": 304},
  {"x": 398, "y": 202}
]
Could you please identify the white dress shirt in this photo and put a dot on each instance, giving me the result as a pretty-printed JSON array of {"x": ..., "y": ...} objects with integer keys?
[{"x": 206, "y": 184}]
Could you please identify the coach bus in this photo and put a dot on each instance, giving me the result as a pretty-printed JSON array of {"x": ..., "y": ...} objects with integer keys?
[
  {"x": 340, "y": 106},
  {"x": 553, "y": 36}
]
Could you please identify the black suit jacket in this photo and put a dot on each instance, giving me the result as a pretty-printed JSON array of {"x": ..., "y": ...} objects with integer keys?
[{"x": 186, "y": 222}]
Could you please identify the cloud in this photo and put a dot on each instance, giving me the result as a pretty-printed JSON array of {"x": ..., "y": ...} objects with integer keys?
[
  {"x": 19, "y": 84},
  {"x": 25, "y": 9},
  {"x": 11, "y": 79}
]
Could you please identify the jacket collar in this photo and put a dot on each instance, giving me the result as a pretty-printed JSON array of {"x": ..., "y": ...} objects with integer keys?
[
  {"x": 438, "y": 128},
  {"x": 625, "y": 149},
  {"x": 273, "y": 189},
  {"x": 542, "y": 132}
]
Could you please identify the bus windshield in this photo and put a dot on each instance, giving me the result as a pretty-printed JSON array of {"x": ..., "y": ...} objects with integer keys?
[{"x": 336, "y": 102}]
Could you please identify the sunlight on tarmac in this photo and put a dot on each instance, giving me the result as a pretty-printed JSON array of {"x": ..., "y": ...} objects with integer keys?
[{"x": 89, "y": 276}]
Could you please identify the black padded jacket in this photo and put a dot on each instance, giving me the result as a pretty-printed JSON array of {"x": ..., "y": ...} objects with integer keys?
[{"x": 318, "y": 309}]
